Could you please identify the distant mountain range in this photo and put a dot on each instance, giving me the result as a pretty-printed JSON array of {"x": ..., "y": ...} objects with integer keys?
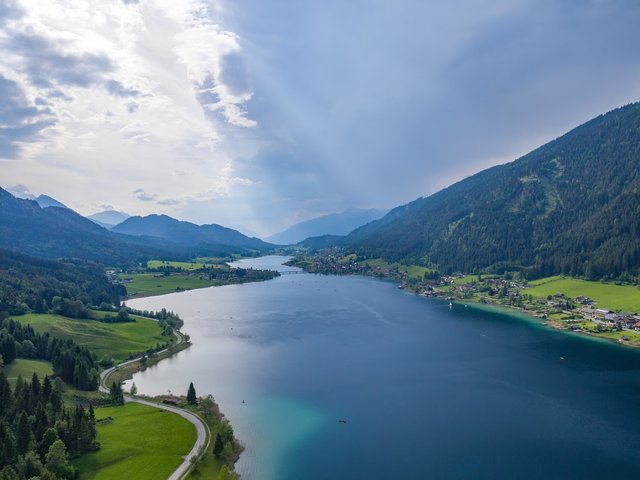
[
  {"x": 55, "y": 232},
  {"x": 186, "y": 233},
  {"x": 571, "y": 206},
  {"x": 46, "y": 201},
  {"x": 20, "y": 191},
  {"x": 333, "y": 224},
  {"x": 108, "y": 218}
]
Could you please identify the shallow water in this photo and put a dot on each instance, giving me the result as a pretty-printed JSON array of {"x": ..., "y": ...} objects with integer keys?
[{"x": 426, "y": 392}]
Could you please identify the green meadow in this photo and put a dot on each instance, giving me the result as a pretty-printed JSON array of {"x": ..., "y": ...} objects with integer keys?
[
  {"x": 608, "y": 295},
  {"x": 188, "y": 266},
  {"x": 116, "y": 340},
  {"x": 413, "y": 271},
  {"x": 26, "y": 368},
  {"x": 137, "y": 442},
  {"x": 146, "y": 284}
]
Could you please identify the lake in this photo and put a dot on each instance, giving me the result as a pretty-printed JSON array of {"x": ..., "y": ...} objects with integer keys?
[{"x": 427, "y": 392}]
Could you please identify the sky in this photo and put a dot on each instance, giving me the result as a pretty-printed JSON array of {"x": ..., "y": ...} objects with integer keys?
[{"x": 256, "y": 114}]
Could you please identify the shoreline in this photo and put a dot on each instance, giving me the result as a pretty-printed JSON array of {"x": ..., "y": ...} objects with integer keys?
[
  {"x": 403, "y": 283},
  {"x": 531, "y": 316},
  {"x": 124, "y": 371}
]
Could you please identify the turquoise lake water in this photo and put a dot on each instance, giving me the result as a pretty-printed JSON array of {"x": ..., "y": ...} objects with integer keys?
[{"x": 427, "y": 392}]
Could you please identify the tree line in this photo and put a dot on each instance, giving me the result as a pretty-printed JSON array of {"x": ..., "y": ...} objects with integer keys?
[
  {"x": 66, "y": 287},
  {"x": 38, "y": 434}
]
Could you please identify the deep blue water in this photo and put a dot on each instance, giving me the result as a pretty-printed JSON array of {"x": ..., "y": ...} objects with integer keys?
[{"x": 427, "y": 392}]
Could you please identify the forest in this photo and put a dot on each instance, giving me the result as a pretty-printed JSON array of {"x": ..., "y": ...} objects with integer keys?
[
  {"x": 569, "y": 207},
  {"x": 38, "y": 434},
  {"x": 65, "y": 287}
]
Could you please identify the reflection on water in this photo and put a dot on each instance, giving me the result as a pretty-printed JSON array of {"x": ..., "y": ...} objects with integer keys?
[{"x": 426, "y": 392}]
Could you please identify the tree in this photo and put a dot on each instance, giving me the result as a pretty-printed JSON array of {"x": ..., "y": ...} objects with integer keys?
[
  {"x": 24, "y": 436},
  {"x": 29, "y": 465},
  {"x": 208, "y": 407},
  {"x": 218, "y": 445},
  {"x": 123, "y": 315},
  {"x": 57, "y": 460},
  {"x": 117, "y": 397},
  {"x": 50, "y": 436},
  {"x": 191, "y": 395}
]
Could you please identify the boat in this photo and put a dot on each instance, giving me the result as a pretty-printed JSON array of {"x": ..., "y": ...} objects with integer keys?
[{"x": 450, "y": 305}]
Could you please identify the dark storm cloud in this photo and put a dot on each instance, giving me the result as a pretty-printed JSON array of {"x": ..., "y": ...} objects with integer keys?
[
  {"x": 398, "y": 99},
  {"x": 20, "y": 121},
  {"x": 47, "y": 65}
]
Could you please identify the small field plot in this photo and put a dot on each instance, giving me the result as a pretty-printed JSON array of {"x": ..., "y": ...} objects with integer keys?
[
  {"x": 26, "y": 368},
  {"x": 608, "y": 295},
  {"x": 117, "y": 340},
  {"x": 137, "y": 442}
]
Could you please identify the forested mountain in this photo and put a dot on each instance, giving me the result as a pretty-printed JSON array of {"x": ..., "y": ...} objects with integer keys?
[
  {"x": 60, "y": 232},
  {"x": 188, "y": 234},
  {"x": 333, "y": 224},
  {"x": 571, "y": 206}
]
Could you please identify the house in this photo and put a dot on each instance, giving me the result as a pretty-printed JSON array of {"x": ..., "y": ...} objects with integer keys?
[
  {"x": 611, "y": 317},
  {"x": 588, "y": 313}
]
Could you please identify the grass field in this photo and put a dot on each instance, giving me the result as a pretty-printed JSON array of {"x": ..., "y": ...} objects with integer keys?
[
  {"x": 188, "y": 266},
  {"x": 140, "y": 443},
  {"x": 145, "y": 284},
  {"x": 608, "y": 295},
  {"x": 413, "y": 271},
  {"x": 117, "y": 340},
  {"x": 26, "y": 368}
]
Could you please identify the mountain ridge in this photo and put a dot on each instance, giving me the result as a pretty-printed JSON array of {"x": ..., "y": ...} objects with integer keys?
[
  {"x": 571, "y": 206},
  {"x": 186, "y": 233}
]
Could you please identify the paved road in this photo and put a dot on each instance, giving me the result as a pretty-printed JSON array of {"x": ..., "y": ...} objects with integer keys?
[{"x": 201, "y": 427}]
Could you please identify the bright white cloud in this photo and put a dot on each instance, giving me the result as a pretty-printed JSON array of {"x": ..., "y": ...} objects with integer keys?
[{"x": 118, "y": 95}]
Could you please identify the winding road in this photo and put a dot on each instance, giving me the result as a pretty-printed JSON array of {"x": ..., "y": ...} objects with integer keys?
[{"x": 202, "y": 429}]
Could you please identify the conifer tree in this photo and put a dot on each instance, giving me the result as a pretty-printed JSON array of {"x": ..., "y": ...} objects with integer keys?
[
  {"x": 191, "y": 394},
  {"x": 24, "y": 436},
  {"x": 218, "y": 446}
]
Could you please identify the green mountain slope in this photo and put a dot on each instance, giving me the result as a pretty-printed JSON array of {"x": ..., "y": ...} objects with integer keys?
[
  {"x": 571, "y": 206},
  {"x": 28, "y": 283},
  {"x": 188, "y": 234}
]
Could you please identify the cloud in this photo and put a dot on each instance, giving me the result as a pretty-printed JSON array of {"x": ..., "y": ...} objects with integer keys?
[
  {"x": 21, "y": 121},
  {"x": 117, "y": 89},
  {"x": 169, "y": 201},
  {"x": 143, "y": 196},
  {"x": 9, "y": 10},
  {"x": 21, "y": 191},
  {"x": 48, "y": 65}
]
